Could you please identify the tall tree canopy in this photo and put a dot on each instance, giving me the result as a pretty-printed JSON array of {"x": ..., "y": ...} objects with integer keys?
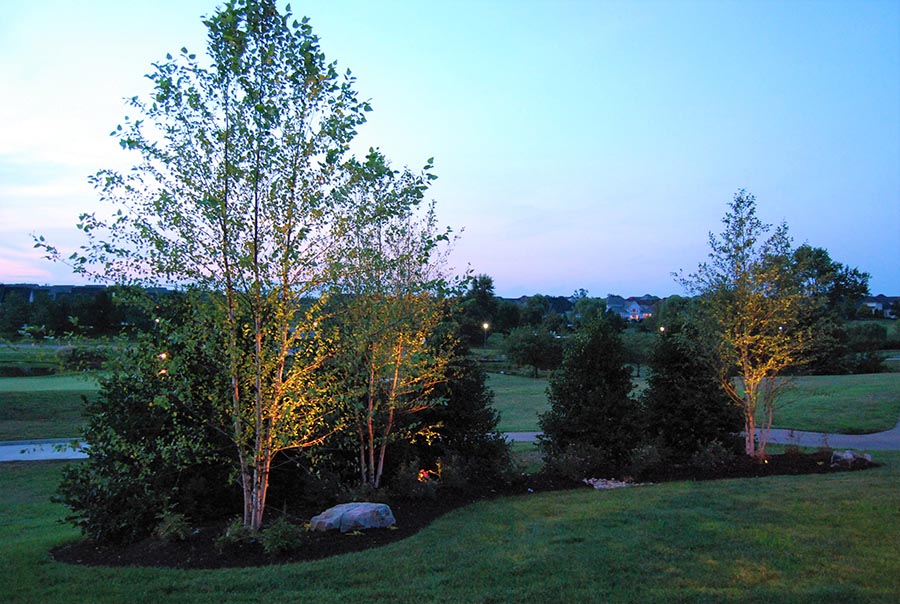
[
  {"x": 238, "y": 155},
  {"x": 479, "y": 307}
]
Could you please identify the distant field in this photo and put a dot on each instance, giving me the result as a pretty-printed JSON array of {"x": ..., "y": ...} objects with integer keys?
[
  {"x": 43, "y": 407},
  {"x": 48, "y": 383},
  {"x": 18, "y": 358},
  {"x": 51, "y": 406},
  {"x": 519, "y": 400},
  {"x": 25, "y": 353},
  {"x": 849, "y": 404}
]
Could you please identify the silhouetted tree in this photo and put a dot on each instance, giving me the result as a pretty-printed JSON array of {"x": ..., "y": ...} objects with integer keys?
[
  {"x": 686, "y": 407},
  {"x": 593, "y": 422},
  {"x": 535, "y": 347},
  {"x": 478, "y": 305}
]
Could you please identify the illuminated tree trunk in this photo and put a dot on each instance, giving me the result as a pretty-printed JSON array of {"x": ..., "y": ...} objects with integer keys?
[{"x": 752, "y": 301}]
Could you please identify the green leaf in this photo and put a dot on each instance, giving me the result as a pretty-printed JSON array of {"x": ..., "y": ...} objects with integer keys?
[{"x": 161, "y": 401}]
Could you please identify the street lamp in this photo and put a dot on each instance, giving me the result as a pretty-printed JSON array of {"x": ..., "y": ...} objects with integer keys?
[{"x": 485, "y": 326}]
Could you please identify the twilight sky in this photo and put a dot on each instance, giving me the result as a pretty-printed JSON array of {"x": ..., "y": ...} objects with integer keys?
[{"x": 579, "y": 143}]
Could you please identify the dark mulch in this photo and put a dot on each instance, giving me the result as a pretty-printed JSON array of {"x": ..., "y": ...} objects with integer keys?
[
  {"x": 199, "y": 550},
  {"x": 789, "y": 463}
]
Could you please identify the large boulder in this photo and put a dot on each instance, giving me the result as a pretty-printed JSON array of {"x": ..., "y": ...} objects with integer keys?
[
  {"x": 849, "y": 459},
  {"x": 353, "y": 516}
]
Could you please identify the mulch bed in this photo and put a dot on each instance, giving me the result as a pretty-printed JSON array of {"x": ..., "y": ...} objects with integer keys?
[{"x": 199, "y": 550}]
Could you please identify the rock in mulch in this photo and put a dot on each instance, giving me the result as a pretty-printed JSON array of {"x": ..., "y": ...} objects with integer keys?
[
  {"x": 353, "y": 516},
  {"x": 848, "y": 458},
  {"x": 607, "y": 483}
]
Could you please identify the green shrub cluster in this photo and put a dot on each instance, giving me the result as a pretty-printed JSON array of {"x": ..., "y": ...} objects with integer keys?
[
  {"x": 153, "y": 447},
  {"x": 595, "y": 426},
  {"x": 161, "y": 461},
  {"x": 281, "y": 537},
  {"x": 172, "y": 527},
  {"x": 234, "y": 535}
]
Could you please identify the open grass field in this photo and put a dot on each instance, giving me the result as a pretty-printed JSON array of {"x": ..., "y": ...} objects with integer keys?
[
  {"x": 821, "y": 538},
  {"x": 845, "y": 404},
  {"x": 850, "y": 404},
  {"x": 39, "y": 358},
  {"x": 51, "y": 406},
  {"x": 43, "y": 407},
  {"x": 519, "y": 400}
]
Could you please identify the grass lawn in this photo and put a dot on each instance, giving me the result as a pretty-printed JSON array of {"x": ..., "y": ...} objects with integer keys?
[
  {"x": 847, "y": 404},
  {"x": 43, "y": 407},
  {"x": 782, "y": 539},
  {"x": 32, "y": 357},
  {"x": 519, "y": 400}
]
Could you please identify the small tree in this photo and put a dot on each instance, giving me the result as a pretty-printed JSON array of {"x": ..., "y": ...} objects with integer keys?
[
  {"x": 535, "y": 347},
  {"x": 478, "y": 306},
  {"x": 508, "y": 316},
  {"x": 390, "y": 294},
  {"x": 592, "y": 415},
  {"x": 638, "y": 347},
  {"x": 586, "y": 309},
  {"x": 14, "y": 314},
  {"x": 535, "y": 310},
  {"x": 752, "y": 300}
]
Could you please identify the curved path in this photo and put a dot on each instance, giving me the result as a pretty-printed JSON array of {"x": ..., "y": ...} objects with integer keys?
[
  {"x": 888, "y": 440},
  {"x": 41, "y": 450}
]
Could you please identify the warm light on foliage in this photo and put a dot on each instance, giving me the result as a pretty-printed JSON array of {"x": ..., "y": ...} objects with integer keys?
[{"x": 753, "y": 301}]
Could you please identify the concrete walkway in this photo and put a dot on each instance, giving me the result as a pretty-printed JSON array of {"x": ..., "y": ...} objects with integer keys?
[
  {"x": 40, "y": 450},
  {"x": 888, "y": 440}
]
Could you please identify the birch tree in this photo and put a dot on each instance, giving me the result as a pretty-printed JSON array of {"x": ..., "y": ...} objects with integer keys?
[
  {"x": 391, "y": 296},
  {"x": 751, "y": 297},
  {"x": 238, "y": 154}
]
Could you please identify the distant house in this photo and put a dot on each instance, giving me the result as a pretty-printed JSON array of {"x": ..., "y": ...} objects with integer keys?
[
  {"x": 633, "y": 308},
  {"x": 880, "y": 305}
]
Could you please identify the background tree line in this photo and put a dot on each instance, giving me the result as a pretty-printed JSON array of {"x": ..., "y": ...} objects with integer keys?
[
  {"x": 36, "y": 313},
  {"x": 534, "y": 330}
]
